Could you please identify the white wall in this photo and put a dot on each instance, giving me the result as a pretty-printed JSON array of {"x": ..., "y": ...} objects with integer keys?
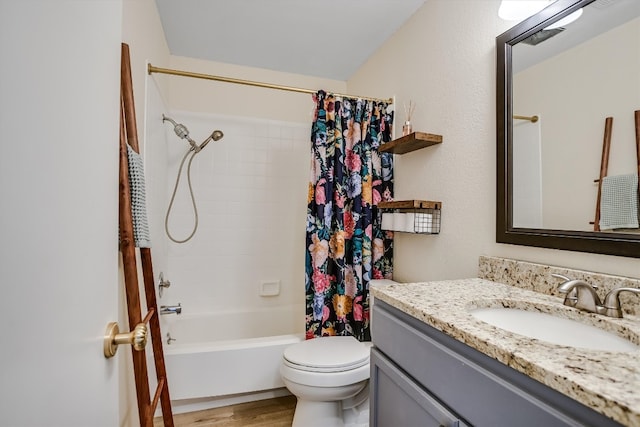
[
  {"x": 444, "y": 59},
  {"x": 206, "y": 96}
]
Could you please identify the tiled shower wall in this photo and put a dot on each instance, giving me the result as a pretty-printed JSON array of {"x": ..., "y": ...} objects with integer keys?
[{"x": 251, "y": 195}]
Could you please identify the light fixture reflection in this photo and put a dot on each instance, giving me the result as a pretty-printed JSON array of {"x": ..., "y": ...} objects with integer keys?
[
  {"x": 566, "y": 20},
  {"x": 518, "y": 10}
]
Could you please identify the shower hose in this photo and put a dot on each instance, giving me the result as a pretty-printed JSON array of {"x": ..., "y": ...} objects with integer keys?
[{"x": 193, "y": 199}]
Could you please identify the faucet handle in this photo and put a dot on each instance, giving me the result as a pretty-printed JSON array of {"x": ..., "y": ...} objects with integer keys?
[
  {"x": 561, "y": 276},
  {"x": 571, "y": 299},
  {"x": 612, "y": 301},
  {"x": 568, "y": 279},
  {"x": 162, "y": 284}
]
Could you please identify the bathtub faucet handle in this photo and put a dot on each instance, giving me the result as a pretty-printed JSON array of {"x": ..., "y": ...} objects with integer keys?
[
  {"x": 169, "y": 309},
  {"x": 169, "y": 339},
  {"x": 162, "y": 284}
]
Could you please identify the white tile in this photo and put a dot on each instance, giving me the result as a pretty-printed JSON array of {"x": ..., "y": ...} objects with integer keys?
[
  {"x": 251, "y": 189},
  {"x": 274, "y": 130}
]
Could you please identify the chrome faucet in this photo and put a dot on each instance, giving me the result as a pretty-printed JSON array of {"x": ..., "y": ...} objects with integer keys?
[
  {"x": 169, "y": 309},
  {"x": 583, "y": 296}
]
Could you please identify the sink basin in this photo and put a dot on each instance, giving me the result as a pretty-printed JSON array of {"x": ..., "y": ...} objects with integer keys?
[{"x": 553, "y": 329}]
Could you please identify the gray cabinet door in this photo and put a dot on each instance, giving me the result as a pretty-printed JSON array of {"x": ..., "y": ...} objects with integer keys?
[{"x": 399, "y": 402}]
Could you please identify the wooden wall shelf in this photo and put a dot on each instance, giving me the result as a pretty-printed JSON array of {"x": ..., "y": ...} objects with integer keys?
[
  {"x": 410, "y": 204},
  {"x": 411, "y": 216},
  {"x": 413, "y": 141}
]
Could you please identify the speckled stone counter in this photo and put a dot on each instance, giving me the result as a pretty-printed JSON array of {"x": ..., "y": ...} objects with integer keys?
[
  {"x": 608, "y": 382},
  {"x": 538, "y": 277}
]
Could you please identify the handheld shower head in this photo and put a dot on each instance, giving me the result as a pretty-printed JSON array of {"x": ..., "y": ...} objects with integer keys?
[
  {"x": 215, "y": 136},
  {"x": 183, "y": 133}
]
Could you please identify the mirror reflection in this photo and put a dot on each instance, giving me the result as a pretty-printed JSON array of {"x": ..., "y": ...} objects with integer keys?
[{"x": 566, "y": 82}]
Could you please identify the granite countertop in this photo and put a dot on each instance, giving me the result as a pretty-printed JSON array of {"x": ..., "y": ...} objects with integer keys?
[{"x": 608, "y": 382}]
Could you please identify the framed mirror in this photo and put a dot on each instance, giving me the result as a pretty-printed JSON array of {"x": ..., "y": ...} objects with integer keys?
[{"x": 557, "y": 83}]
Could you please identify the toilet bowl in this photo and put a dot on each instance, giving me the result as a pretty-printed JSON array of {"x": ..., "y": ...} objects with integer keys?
[{"x": 330, "y": 378}]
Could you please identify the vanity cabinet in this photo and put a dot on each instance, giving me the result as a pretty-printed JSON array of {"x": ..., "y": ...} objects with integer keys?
[
  {"x": 436, "y": 380},
  {"x": 403, "y": 402}
]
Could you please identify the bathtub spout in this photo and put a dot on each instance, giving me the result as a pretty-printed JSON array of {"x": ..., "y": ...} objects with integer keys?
[{"x": 169, "y": 309}]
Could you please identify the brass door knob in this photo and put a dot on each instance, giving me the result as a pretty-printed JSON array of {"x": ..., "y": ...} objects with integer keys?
[{"x": 112, "y": 338}]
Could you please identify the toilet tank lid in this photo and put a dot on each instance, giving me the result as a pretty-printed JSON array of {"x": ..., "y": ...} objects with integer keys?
[
  {"x": 378, "y": 282},
  {"x": 328, "y": 352}
]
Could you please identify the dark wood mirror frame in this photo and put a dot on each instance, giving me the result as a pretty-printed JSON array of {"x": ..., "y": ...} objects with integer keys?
[{"x": 627, "y": 245}]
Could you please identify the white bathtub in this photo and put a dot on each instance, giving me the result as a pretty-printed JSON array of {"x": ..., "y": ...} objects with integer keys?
[{"x": 228, "y": 353}]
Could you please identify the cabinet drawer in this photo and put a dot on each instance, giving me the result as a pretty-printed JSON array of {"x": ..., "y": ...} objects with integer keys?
[
  {"x": 478, "y": 388},
  {"x": 403, "y": 402}
]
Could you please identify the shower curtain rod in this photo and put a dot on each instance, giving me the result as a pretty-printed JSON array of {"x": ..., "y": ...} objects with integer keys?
[
  {"x": 151, "y": 69},
  {"x": 532, "y": 119}
]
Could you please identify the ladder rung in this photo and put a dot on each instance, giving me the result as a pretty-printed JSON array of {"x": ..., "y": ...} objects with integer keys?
[
  {"x": 148, "y": 316},
  {"x": 156, "y": 397}
]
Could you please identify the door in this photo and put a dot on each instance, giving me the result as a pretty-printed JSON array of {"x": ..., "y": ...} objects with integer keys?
[{"x": 59, "y": 112}]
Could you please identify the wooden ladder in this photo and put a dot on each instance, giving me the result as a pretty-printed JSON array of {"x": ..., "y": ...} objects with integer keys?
[
  {"x": 604, "y": 161},
  {"x": 604, "y": 167},
  {"x": 129, "y": 135}
]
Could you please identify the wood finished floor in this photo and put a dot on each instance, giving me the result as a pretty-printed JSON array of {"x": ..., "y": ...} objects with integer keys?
[{"x": 277, "y": 412}]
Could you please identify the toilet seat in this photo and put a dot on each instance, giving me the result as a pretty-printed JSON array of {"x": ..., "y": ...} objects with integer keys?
[{"x": 327, "y": 354}]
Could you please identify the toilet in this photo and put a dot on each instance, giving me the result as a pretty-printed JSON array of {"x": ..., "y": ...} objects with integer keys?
[{"x": 330, "y": 378}]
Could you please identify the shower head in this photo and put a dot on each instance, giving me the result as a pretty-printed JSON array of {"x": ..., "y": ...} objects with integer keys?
[{"x": 215, "y": 136}]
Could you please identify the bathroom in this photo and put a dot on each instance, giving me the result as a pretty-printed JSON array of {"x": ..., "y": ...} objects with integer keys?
[{"x": 450, "y": 47}]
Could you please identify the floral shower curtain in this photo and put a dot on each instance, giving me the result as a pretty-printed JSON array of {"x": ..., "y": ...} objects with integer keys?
[{"x": 346, "y": 246}]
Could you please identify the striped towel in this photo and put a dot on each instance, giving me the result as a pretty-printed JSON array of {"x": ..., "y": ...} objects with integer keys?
[
  {"x": 138, "y": 199},
  {"x": 619, "y": 202}
]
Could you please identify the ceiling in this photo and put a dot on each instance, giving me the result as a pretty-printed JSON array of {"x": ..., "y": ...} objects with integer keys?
[{"x": 328, "y": 38}]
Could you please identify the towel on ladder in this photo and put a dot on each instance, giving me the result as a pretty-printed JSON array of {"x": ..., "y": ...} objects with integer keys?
[
  {"x": 138, "y": 199},
  {"x": 619, "y": 202}
]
